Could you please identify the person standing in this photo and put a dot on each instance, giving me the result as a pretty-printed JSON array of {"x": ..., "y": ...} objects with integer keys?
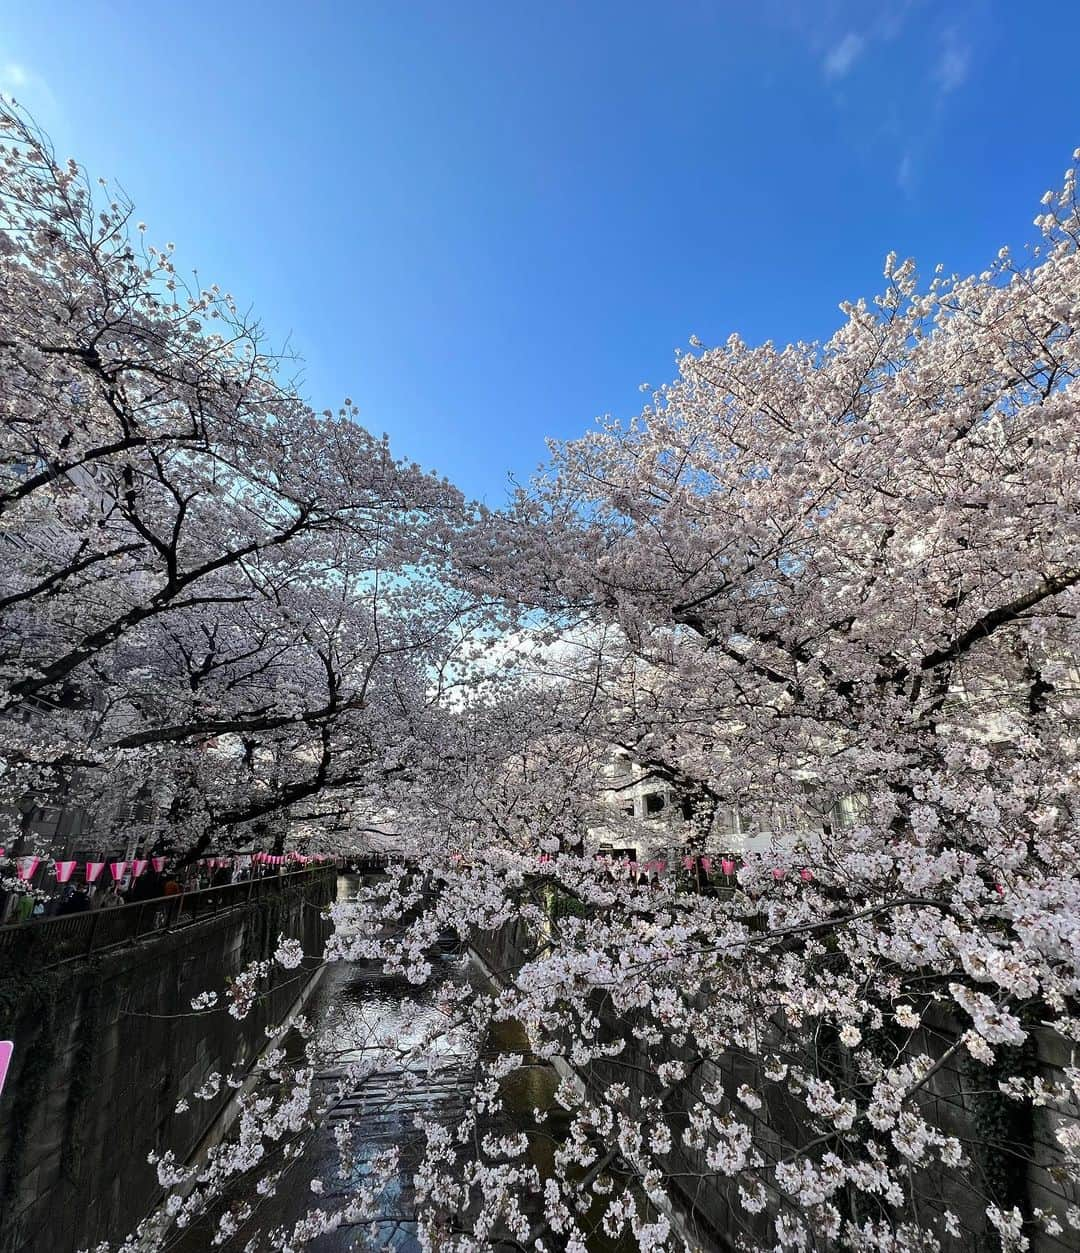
[{"x": 76, "y": 903}]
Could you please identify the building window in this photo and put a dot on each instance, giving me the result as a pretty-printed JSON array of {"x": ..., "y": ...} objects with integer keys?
[
  {"x": 847, "y": 811},
  {"x": 654, "y": 803}
]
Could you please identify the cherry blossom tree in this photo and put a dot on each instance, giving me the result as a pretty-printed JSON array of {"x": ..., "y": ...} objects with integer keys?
[{"x": 209, "y": 592}]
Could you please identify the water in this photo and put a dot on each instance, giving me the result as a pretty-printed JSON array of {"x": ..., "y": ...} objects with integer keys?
[{"x": 357, "y": 1012}]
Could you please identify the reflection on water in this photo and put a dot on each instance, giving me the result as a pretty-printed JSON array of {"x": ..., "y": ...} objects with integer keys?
[{"x": 359, "y": 1016}]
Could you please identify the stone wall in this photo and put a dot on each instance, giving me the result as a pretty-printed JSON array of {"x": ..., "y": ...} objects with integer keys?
[{"x": 105, "y": 1046}]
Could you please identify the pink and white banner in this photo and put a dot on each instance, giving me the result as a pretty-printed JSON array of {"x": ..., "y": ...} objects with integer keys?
[
  {"x": 116, "y": 869},
  {"x": 25, "y": 867},
  {"x": 138, "y": 866},
  {"x": 158, "y": 863},
  {"x": 6, "y": 1050},
  {"x": 64, "y": 870},
  {"x": 93, "y": 869}
]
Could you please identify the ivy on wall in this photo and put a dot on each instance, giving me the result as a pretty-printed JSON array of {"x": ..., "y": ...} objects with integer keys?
[{"x": 1003, "y": 1129}]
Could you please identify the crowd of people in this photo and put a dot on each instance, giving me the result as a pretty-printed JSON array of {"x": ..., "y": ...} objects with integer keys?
[{"x": 27, "y": 904}]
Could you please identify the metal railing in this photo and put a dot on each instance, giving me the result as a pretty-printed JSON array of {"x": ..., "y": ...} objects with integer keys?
[{"x": 54, "y": 940}]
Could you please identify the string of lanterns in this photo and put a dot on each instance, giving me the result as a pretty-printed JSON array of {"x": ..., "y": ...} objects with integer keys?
[
  {"x": 27, "y": 867},
  {"x": 727, "y": 866}
]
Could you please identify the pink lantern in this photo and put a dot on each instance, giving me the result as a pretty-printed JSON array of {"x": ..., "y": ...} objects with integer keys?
[
  {"x": 688, "y": 863},
  {"x": 661, "y": 867},
  {"x": 706, "y": 864},
  {"x": 727, "y": 866},
  {"x": 158, "y": 863},
  {"x": 633, "y": 867},
  {"x": 138, "y": 866},
  {"x": 26, "y": 866},
  {"x": 999, "y": 888},
  {"x": 777, "y": 873},
  {"x": 806, "y": 875},
  {"x": 64, "y": 870},
  {"x": 93, "y": 869},
  {"x": 116, "y": 869}
]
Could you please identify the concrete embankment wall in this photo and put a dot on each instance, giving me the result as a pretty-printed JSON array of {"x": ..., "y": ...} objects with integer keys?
[{"x": 106, "y": 1044}]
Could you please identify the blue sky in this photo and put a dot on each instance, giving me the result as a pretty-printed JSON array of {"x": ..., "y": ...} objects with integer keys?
[{"x": 489, "y": 223}]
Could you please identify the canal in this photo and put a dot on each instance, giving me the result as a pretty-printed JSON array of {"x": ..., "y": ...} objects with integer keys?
[{"x": 362, "y": 1022}]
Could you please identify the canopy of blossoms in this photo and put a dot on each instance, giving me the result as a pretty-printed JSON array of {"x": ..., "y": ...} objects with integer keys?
[{"x": 830, "y": 588}]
